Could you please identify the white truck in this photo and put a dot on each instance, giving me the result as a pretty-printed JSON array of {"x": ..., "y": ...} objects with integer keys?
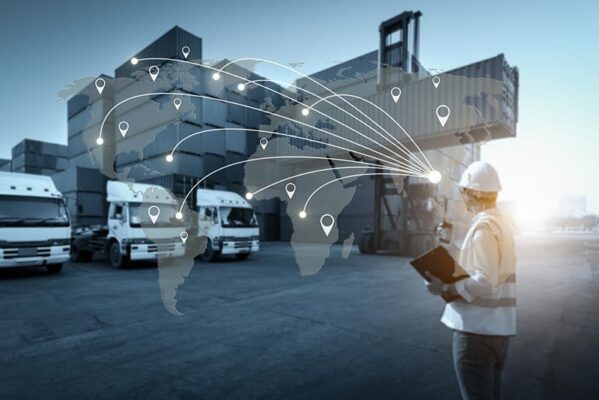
[
  {"x": 229, "y": 222},
  {"x": 124, "y": 238},
  {"x": 34, "y": 222}
]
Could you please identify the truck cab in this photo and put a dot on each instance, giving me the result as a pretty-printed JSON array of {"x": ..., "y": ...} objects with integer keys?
[
  {"x": 35, "y": 228},
  {"x": 141, "y": 225},
  {"x": 229, "y": 222}
]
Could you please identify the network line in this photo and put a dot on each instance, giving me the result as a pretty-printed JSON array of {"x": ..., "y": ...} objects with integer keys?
[
  {"x": 303, "y": 212},
  {"x": 400, "y": 146},
  {"x": 306, "y": 109},
  {"x": 99, "y": 140},
  {"x": 252, "y": 194},
  {"x": 418, "y": 170},
  {"x": 179, "y": 214},
  {"x": 294, "y": 100},
  {"x": 169, "y": 156},
  {"x": 321, "y": 85}
]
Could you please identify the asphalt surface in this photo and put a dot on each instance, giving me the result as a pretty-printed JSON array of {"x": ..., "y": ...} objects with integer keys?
[{"x": 364, "y": 327}]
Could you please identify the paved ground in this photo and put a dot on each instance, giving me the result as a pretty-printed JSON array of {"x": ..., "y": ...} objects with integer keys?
[{"x": 362, "y": 328}]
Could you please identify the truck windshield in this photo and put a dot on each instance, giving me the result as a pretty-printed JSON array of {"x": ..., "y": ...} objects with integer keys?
[
  {"x": 32, "y": 211},
  {"x": 166, "y": 217},
  {"x": 238, "y": 217}
]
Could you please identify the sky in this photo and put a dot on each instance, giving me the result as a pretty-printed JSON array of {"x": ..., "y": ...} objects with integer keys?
[{"x": 48, "y": 44}]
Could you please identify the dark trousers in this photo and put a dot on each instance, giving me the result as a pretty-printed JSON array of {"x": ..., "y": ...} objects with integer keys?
[{"x": 478, "y": 362}]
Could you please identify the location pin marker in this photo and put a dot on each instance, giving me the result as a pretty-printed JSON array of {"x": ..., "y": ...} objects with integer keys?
[
  {"x": 154, "y": 70},
  {"x": 100, "y": 85},
  {"x": 123, "y": 127},
  {"x": 185, "y": 50},
  {"x": 436, "y": 81},
  {"x": 327, "y": 228},
  {"x": 263, "y": 143},
  {"x": 443, "y": 119},
  {"x": 183, "y": 235},
  {"x": 395, "y": 93},
  {"x": 153, "y": 212},
  {"x": 290, "y": 189},
  {"x": 177, "y": 103}
]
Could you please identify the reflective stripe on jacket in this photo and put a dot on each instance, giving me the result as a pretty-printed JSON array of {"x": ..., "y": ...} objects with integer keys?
[{"x": 488, "y": 303}]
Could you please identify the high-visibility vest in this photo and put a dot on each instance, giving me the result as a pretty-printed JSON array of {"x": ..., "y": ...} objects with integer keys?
[{"x": 493, "y": 313}]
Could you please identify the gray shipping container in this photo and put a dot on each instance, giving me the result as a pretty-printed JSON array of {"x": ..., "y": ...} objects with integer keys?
[
  {"x": 211, "y": 163},
  {"x": 91, "y": 204},
  {"x": 215, "y": 113},
  {"x": 235, "y": 113},
  {"x": 482, "y": 98},
  {"x": 75, "y": 179},
  {"x": 210, "y": 86},
  {"x": 235, "y": 173},
  {"x": 213, "y": 142},
  {"x": 28, "y": 146},
  {"x": 168, "y": 45},
  {"x": 5, "y": 164},
  {"x": 498, "y": 69},
  {"x": 236, "y": 140},
  {"x": 89, "y": 95}
]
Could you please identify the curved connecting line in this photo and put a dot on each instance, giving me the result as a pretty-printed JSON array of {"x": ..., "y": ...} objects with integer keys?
[
  {"x": 395, "y": 142},
  {"x": 323, "y": 170},
  {"x": 324, "y": 98},
  {"x": 218, "y": 71},
  {"x": 265, "y": 158},
  {"x": 396, "y": 123},
  {"x": 277, "y": 134},
  {"x": 352, "y": 176},
  {"x": 260, "y": 80},
  {"x": 321, "y": 85},
  {"x": 393, "y": 161},
  {"x": 400, "y": 146}
]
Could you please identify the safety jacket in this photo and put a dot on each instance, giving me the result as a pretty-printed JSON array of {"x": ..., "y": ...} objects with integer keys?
[{"x": 488, "y": 297}]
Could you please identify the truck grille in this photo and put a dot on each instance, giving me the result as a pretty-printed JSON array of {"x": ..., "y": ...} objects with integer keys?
[
  {"x": 4, "y": 244},
  {"x": 153, "y": 248},
  {"x": 246, "y": 244},
  {"x": 24, "y": 252}
]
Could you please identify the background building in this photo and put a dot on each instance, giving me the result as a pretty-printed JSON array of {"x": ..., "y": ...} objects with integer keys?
[{"x": 572, "y": 206}]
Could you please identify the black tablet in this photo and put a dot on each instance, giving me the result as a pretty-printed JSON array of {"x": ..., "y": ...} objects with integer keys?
[{"x": 438, "y": 262}]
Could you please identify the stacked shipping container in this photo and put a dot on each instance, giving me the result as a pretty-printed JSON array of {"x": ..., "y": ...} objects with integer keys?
[
  {"x": 156, "y": 126},
  {"x": 36, "y": 157}
]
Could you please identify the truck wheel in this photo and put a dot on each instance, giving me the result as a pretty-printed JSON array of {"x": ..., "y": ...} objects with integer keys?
[
  {"x": 242, "y": 256},
  {"x": 116, "y": 258},
  {"x": 209, "y": 254},
  {"x": 54, "y": 268},
  {"x": 367, "y": 245},
  {"x": 79, "y": 255}
]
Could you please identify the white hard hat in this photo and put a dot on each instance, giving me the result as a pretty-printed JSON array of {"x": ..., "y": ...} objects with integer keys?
[{"x": 481, "y": 176}]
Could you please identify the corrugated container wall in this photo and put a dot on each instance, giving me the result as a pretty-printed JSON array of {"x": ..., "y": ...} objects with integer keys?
[
  {"x": 85, "y": 192},
  {"x": 5, "y": 164},
  {"x": 36, "y": 157}
]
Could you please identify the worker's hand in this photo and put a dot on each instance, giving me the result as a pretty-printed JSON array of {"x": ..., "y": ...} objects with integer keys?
[{"x": 434, "y": 285}]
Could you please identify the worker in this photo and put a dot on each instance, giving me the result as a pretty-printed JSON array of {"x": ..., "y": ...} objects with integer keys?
[{"x": 483, "y": 314}]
